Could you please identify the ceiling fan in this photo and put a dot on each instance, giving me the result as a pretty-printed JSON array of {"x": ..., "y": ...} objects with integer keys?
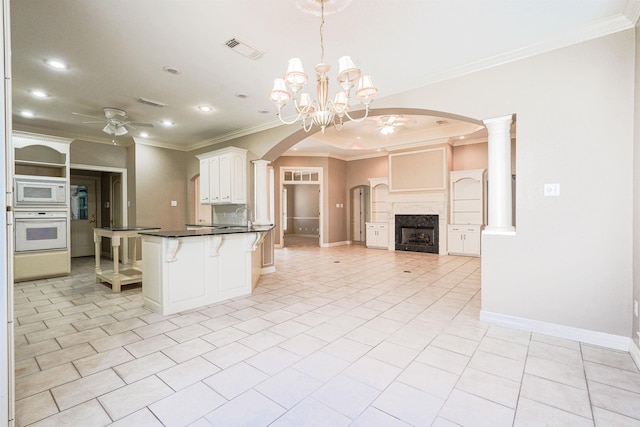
[
  {"x": 388, "y": 124},
  {"x": 116, "y": 121}
]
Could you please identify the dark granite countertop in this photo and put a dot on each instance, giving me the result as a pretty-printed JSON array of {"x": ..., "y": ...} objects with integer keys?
[
  {"x": 129, "y": 228},
  {"x": 209, "y": 231}
]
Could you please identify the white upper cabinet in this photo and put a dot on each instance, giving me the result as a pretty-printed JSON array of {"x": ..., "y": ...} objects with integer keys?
[{"x": 223, "y": 176}]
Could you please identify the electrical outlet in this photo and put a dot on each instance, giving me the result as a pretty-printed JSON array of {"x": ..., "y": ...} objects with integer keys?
[
  {"x": 552, "y": 189},
  {"x": 174, "y": 203}
]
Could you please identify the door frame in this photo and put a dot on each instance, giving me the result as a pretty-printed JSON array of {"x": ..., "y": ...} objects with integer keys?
[
  {"x": 124, "y": 200},
  {"x": 320, "y": 183},
  {"x": 97, "y": 182}
]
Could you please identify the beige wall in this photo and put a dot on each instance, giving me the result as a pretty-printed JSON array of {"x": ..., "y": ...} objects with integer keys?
[
  {"x": 337, "y": 194},
  {"x": 92, "y": 153},
  {"x": 469, "y": 157},
  {"x": 303, "y": 202},
  {"x": 159, "y": 180},
  {"x": 474, "y": 156},
  {"x": 359, "y": 171}
]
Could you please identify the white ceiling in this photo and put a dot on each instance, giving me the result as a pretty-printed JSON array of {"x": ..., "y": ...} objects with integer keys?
[{"x": 116, "y": 51}]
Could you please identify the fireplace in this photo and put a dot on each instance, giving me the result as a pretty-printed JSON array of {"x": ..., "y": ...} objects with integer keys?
[{"x": 417, "y": 233}]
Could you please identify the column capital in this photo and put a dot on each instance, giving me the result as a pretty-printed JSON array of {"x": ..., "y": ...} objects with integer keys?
[
  {"x": 260, "y": 162},
  {"x": 496, "y": 121}
]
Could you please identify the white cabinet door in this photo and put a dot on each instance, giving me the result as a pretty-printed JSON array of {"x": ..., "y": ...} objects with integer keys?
[
  {"x": 377, "y": 235},
  {"x": 383, "y": 236},
  {"x": 464, "y": 239},
  {"x": 225, "y": 178},
  {"x": 239, "y": 178},
  {"x": 214, "y": 180},
  {"x": 204, "y": 182},
  {"x": 456, "y": 244},
  {"x": 472, "y": 240},
  {"x": 371, "y": 235}
]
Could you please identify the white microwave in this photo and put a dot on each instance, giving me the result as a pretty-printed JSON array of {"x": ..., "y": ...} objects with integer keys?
[{"x": 40, "y": 191}]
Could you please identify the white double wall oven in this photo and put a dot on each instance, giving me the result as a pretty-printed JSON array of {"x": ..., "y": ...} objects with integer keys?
[{"x": 41, "y": 213}]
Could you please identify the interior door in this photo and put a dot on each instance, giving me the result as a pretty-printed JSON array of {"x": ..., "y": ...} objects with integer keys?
[
  {"x": 83, "y": 216},
  {"x": 356, "y": 216},
  {"x": 115, "y": 217},
  {"x": 359, "y": 212}
]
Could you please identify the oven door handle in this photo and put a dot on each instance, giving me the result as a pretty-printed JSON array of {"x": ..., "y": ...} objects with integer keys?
[{"x": 40, "y": 220}]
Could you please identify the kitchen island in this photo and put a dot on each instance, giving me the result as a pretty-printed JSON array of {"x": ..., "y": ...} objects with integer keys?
[
  {"x": 186, "y": 269},
  {"x": 117, "y": 277}
]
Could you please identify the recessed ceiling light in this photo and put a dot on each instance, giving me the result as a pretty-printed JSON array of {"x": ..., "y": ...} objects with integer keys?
[
  {"x": 167, "y": 123},
  {"x": 37, "y": 93},
  {"x": 462, "y": 137},
  {"x": 241, "y": 95},
  {"x": 204, "y": 108},
  {"x": 27, "y": 113},
  {"x": 56, "y": 63},
  {"x": 263, "y": 111},
  {"x": 144, "y": 134}
]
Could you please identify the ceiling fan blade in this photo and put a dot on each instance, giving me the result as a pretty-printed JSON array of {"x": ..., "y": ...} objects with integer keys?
[
  {"x": 86, "y": 115},
  {"x": 142, "y": 125},
  {"x": 93, "y": 121}
]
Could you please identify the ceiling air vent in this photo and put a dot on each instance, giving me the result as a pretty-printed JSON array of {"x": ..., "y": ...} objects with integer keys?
[
  {"x": 243, "y": 49},
  {"x": 151, "y": 102}
]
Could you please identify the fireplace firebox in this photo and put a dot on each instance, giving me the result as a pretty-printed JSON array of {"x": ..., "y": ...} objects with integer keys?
[{"x": 417, "y": 233}]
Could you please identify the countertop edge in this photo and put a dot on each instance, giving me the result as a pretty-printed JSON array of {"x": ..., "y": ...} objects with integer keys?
[{"x": 174, "y": 234}]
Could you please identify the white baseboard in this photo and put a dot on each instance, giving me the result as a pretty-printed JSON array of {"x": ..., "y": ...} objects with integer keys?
[
  {"x": 634, "y": 350},
  {"x": 331, "y": 245},
  {"x": 267, "y": 270},
  {"x": 616, "y": 342}
]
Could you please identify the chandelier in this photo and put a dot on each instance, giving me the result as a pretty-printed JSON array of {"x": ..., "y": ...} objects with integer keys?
[{"x": 322, "y": 112}]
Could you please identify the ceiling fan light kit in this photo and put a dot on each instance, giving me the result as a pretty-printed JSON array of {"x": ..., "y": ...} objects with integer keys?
[
  {"x": 116, "y": 121},
  {"x": 324, "y": 111}
]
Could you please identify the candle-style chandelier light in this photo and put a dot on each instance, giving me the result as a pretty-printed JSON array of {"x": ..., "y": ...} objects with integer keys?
[{"x": 324, "y": 111}]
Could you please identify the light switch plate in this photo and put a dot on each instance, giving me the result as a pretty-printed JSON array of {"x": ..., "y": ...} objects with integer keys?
[
  {"x": 174, "y": 203},
  {"x": 552, "y": 189}
]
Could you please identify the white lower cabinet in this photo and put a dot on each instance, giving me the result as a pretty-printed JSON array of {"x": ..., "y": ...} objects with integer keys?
[
  {"x": 184, "y": 273},
  {"x": 377, "y": 235},
  {"x": 464, "y": 239}
]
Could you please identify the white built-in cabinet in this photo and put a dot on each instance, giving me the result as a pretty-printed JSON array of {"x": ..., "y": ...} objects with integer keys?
[
  {"x": 223, "y": 176},
  {"x": 464, "y": 239},
  {"x": 468, "y": 211},
  {"x": 41, "y": 157},
  {"x": 377, "y": 235},
  {"x": 378, "y": 229}
]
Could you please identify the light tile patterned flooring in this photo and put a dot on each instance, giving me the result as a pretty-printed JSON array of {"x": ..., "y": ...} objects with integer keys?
[{"x": 336, "y": 337}]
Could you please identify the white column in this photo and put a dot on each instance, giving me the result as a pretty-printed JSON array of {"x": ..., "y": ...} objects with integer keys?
[
  {"x": 499, "y": 175},
  {"x": 261, "y": 191}
]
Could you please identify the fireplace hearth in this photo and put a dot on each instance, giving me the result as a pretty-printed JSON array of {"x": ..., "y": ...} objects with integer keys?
[{"x": 416, "y": 233}]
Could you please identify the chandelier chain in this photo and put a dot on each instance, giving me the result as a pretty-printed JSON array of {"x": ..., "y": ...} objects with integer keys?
[{"x": 321, "y": 31}]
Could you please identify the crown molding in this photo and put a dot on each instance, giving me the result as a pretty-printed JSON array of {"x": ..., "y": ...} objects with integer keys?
[{"x": 603, "y": 28}]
